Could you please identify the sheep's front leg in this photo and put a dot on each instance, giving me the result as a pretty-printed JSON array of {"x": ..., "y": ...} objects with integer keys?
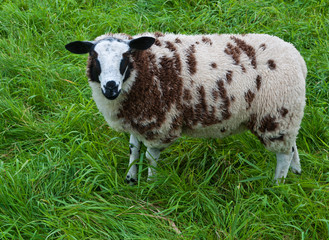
[
  {"x": 282, "y": 166},
  {"x": 134, "y": 146},
  {"x": 152, "y": 155}
]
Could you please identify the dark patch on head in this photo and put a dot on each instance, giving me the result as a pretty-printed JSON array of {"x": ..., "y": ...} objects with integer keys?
[
  {"x": 177, "y": 40},
  {"x": 283, "y": 111},
  {"x": 158, "y": 34},
  {"x": 93, "y": 67},
  {"x": 247, "y": 49},
  {"x": 258, "y": 82},
  {"x": 170, "y": 46},
  {"x": 157, "y": 42},
  {"x": 191, "y": 59},
  {"x": 206, "y": 40},
  {"x": 226, "y": 114},
  {"x": 249, "y": 97},
  {"x": 213, "y": 65},
  {"x": 268, "y": 123},
  {"x": 278, "y": 138},
  {"x": 229, "y": 77},
  {"x": 271, "y": 64},
  {"x": 125, "y": 66},
  {"x": 263, "y": 46}
]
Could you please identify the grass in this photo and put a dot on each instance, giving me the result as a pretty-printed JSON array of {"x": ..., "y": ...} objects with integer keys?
[{"x": 62, "y": 169}]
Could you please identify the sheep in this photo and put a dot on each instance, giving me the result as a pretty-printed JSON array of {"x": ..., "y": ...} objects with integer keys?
[{"x": 158, "y": 87}]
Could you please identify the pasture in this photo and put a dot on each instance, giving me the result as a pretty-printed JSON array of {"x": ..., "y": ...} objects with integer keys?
[{"x": 62, "y": 169}]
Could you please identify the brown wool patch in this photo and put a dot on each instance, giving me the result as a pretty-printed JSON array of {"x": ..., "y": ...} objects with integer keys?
[
  {"x": 226, "y": 114},
  {"x": 187, "y": 95},
  {"x": 229, "y": 77},
  {"x": 271, "y": 64},
  {"x": 170, "y": 46},
  {"x": 158, "y": 43},
  {"x": 145, "y": 101},
  {"x": 213, "y": 65},
  {"x": 158, "y": 34},
  {"x": 206, "y": 40},
  {"x": 247, "y": 49},
  {"x": 249, "y": 97},
  {"x": 177, "y": 40},
  {"x": 251, "y": 124},
  {"x": 197, "y": 43},
  {"x": 204, "y": 113},
  {"x": 258, "y": 82},
  {"x": 93, "y": 69},
  {"x": 263, "y": 46},
  {"x": 243, "y": 68},
  {"x": 234, "y": 52},
  {"x": 191, "y": 60},
  {"x": 268, "y": 124},
  {"x": 283, "y": 111},
  {"x": 215, "y": 94}
]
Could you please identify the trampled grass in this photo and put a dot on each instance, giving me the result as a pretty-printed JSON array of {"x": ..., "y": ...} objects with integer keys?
[{"x": 62, "y": 169}]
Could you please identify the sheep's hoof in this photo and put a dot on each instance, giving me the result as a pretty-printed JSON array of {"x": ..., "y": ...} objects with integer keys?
[
  {"x": 130, "y": 180},
  {"x": 297, "y": 171}
]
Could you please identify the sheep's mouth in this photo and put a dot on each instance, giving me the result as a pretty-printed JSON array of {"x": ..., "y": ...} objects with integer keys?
[{"x": 111, "y": 94}]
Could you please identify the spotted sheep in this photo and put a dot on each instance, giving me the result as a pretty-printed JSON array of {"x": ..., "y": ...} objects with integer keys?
[{"x": 159, "y": 86}]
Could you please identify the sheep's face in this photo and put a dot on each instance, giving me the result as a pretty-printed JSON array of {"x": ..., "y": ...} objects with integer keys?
[{"x": 109, "y": 64}]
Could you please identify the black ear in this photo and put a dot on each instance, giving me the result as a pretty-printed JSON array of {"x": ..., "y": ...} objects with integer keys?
[
  {"x": 79, "y": 47},
  {"x": 141, "y": 43}
]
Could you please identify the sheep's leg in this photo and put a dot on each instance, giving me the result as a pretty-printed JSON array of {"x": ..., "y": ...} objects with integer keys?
[
  {"x": 152, "y": 155},
  {"x": 295, "y": 163},
  {"x": 282, "y": 166},
  {"x": 134, "y": 146}
]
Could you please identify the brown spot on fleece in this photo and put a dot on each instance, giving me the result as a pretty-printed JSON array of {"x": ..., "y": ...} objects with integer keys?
[
  {"x": 247, "y": 49},
  {"x": 258, "y": 81},
  {"x": 206, "y": 40},
  {"x": 229, "y": 77},
  {"x": 158, "y": 34},
  {"x": 226, "y": 114},
  {"x": 177, "y": 40},
  {"x": 213, "y": 65},
  {"x": 263, "y": 46},
  {"x": 249, "y": 97},
  {"x": 268, "y": 124},
  {"x": 283, "y": 111},
  {"x": 271, "y": 64},
  {"x": 170, "y": 46},
  {"x": 157, "y": 42},
  {"x": 234, "y": 52},
  {"x": 191, "y": 59}
]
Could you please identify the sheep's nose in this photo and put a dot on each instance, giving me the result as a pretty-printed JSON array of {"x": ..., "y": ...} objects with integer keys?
[{"x": 110, "y": 85}]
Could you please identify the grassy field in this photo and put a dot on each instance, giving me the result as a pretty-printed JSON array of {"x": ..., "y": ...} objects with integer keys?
[{"x": 62, "y": 169}]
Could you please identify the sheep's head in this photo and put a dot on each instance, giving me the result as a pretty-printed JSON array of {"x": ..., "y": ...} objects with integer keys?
[{"x": 109, "y": 63}]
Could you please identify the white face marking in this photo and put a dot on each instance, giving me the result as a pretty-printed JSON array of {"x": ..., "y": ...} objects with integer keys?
[{"x": 110, "y": 56}]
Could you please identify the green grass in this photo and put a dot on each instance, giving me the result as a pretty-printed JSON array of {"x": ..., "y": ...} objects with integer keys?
[{"x": 62, "y": 169}]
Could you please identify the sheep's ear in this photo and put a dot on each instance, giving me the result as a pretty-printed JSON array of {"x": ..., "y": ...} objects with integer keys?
[
  {"x": 79, "y": 47},
  {"x": 141, "y": 43}
]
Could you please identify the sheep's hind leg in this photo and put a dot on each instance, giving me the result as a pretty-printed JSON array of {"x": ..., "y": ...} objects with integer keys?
[
  {"x": 134, "y": 146},
  {"x": 282, "y": 166},
  {"x": 295, "y": 162},
  {"x": 152, "y": 155}
]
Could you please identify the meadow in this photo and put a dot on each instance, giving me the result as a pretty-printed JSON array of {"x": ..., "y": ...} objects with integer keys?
[{"x": 62, "y": 169}]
